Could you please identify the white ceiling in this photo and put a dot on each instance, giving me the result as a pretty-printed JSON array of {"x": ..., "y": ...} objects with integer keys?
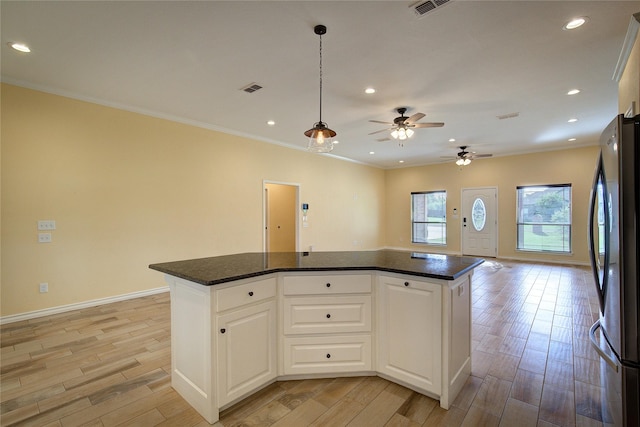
[{"x": 464, "y": 64}]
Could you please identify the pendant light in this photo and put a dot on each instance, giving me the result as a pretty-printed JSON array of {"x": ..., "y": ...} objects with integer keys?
[{"x": 320, "y": 136}]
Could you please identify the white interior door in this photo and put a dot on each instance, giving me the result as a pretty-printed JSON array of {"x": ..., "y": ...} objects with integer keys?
[{"x": 480, "y": 221}]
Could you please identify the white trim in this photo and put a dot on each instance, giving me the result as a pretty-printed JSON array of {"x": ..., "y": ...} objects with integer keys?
[
  {"x": 265, "y": 207},
  {"x": 627, "y": 46},
  {"x": 431, "y": 249},
  {"x": 542, "y": 261},
  {"x": 79, "y": 305}
]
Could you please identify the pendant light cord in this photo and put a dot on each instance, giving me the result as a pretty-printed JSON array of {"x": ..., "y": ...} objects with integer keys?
[{"x": 320, "y": 78}]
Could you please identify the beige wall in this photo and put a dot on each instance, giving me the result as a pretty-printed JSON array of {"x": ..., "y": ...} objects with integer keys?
[
  {"x": 629, "y": 85},
  {"x": 574, "y": 166},
  {"x": 127, "y": 190}
]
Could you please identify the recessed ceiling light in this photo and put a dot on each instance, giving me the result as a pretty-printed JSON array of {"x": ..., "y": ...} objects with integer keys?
[
  {"x": 369, "y": 90},
  {"x": 571, "y": 139},
  {"x": 400, "y": 161},
  {"x": 573, "y": 92},
  {"x": 372, "y": 152},
  {"x": 452, "y": 140},
  {"x": 336, "y": 141},
  {"x": 271, "y": 122},
  {"x": 20, "y": 47},
  {"x": 572, "y": 120},
  {"x": 575, "y": 23}
]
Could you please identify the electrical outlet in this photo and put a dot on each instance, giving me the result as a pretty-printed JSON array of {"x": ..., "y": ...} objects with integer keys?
[
  {"x": 44, "y": 237},
  {"x": 47, "y": 224},
  {"x": 44, "y": 288}
]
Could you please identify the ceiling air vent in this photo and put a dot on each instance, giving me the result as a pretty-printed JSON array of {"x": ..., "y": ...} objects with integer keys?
[
  {"x": 252, "y": 87},
  {"x": 421, "y": 8},
  {"x": 508, "y": 116}
]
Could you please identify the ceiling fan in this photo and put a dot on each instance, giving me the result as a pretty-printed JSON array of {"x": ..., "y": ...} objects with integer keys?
[
  {"x": 464, "y": 157},
  {"x": 401, "y": 128}
]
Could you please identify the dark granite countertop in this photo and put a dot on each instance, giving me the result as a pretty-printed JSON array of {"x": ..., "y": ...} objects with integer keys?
[{"x": 227, "y": 268}]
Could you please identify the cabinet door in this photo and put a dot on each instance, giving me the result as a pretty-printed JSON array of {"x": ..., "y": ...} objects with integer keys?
[
  {"x": 246, "y": 343},
  {"x": 410, "y": 341}
]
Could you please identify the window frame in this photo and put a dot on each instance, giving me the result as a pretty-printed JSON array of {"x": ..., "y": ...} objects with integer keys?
[
  {"x": 442, "y": 222},
  {"x": 521, "y": 223}
]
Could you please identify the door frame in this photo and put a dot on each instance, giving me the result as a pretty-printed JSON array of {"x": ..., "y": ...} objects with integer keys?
[
  {"x": 265, "y": 212},
  {"x": 462, "y": 190}
]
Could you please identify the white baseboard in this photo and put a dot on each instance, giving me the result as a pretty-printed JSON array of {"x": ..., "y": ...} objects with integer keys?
[
  {"x": 425, "y": 249},
  {"x": 524, "y": 258},
  {"x": 546, "y": 261},
  {"x": 76, "y": 306}
]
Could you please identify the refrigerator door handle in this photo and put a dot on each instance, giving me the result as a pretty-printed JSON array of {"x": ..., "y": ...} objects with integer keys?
[{"x": 596, "y": 346}]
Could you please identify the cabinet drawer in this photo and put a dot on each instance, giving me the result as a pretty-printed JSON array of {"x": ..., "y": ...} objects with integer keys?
[
  {"x": 311, "y": 355},
  {"x": 327, "y": 314},
  {"x": 248, "y": 293},
  {"x": 324, "y": 285}
]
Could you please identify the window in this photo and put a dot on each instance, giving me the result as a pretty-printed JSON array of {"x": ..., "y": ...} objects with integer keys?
[
  {"x": 429, "y": 217},
  {"x": 478, "y": 214},
  {"x": 544, "y": 218}
]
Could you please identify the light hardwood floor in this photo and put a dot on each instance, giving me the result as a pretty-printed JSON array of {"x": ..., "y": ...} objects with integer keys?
[{"x": 109, "y": 365}]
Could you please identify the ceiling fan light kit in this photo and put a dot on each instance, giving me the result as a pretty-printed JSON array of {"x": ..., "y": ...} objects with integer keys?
[
  {"x": 401, "y": 133},
  {"x": 402, "y": 127},
  {"x": 320, "y": 136},
  {"x": 464, "y": 157}
]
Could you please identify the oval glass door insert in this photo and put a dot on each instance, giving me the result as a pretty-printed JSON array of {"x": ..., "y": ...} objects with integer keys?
[{"x": 478, "y": 214}]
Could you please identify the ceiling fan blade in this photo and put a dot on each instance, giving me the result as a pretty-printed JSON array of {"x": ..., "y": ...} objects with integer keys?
[
  {"x": 378, "y": 131},
  {"x": 378, "y": 121},
  {"x": 427, "y": 125},
  {"x": 448, "y": 157},
  {"x": 414, "y": 118},
  {"x": 479, "y": 156}
]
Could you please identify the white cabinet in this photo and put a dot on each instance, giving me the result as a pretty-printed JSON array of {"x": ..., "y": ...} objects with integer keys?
[
  {"x": 209, "y": 368},
  {"x": 245, "y": 338},
  {"x": 327, "y": 324},
  {"x": 246, "y": 344},
  {"x": 229, "y": 340},
  {"x": 409, "y": 332}
]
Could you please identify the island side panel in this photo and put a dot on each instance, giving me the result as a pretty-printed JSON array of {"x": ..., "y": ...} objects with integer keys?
[
  {"x": 456, "y": 338},
  {"x": 191, "y": 345}
]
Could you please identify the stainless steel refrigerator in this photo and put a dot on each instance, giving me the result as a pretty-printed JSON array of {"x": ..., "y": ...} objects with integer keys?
[{"x": 615, "y": 259}]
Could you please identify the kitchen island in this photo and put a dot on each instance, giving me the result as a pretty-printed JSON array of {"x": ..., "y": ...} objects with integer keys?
[{"x": 240, "y": 322}]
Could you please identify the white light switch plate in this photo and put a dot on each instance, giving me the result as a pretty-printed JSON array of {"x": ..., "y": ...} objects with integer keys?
[
  {"x": 44, "y": 237},
  {"x": 47, "y": 224}
]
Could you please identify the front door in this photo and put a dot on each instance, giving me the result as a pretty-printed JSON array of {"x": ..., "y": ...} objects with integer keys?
[{"x": 480, "y": 221}]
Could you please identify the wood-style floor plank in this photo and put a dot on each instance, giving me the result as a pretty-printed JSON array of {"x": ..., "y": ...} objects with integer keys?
[{"x": 109, "y": 365}]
